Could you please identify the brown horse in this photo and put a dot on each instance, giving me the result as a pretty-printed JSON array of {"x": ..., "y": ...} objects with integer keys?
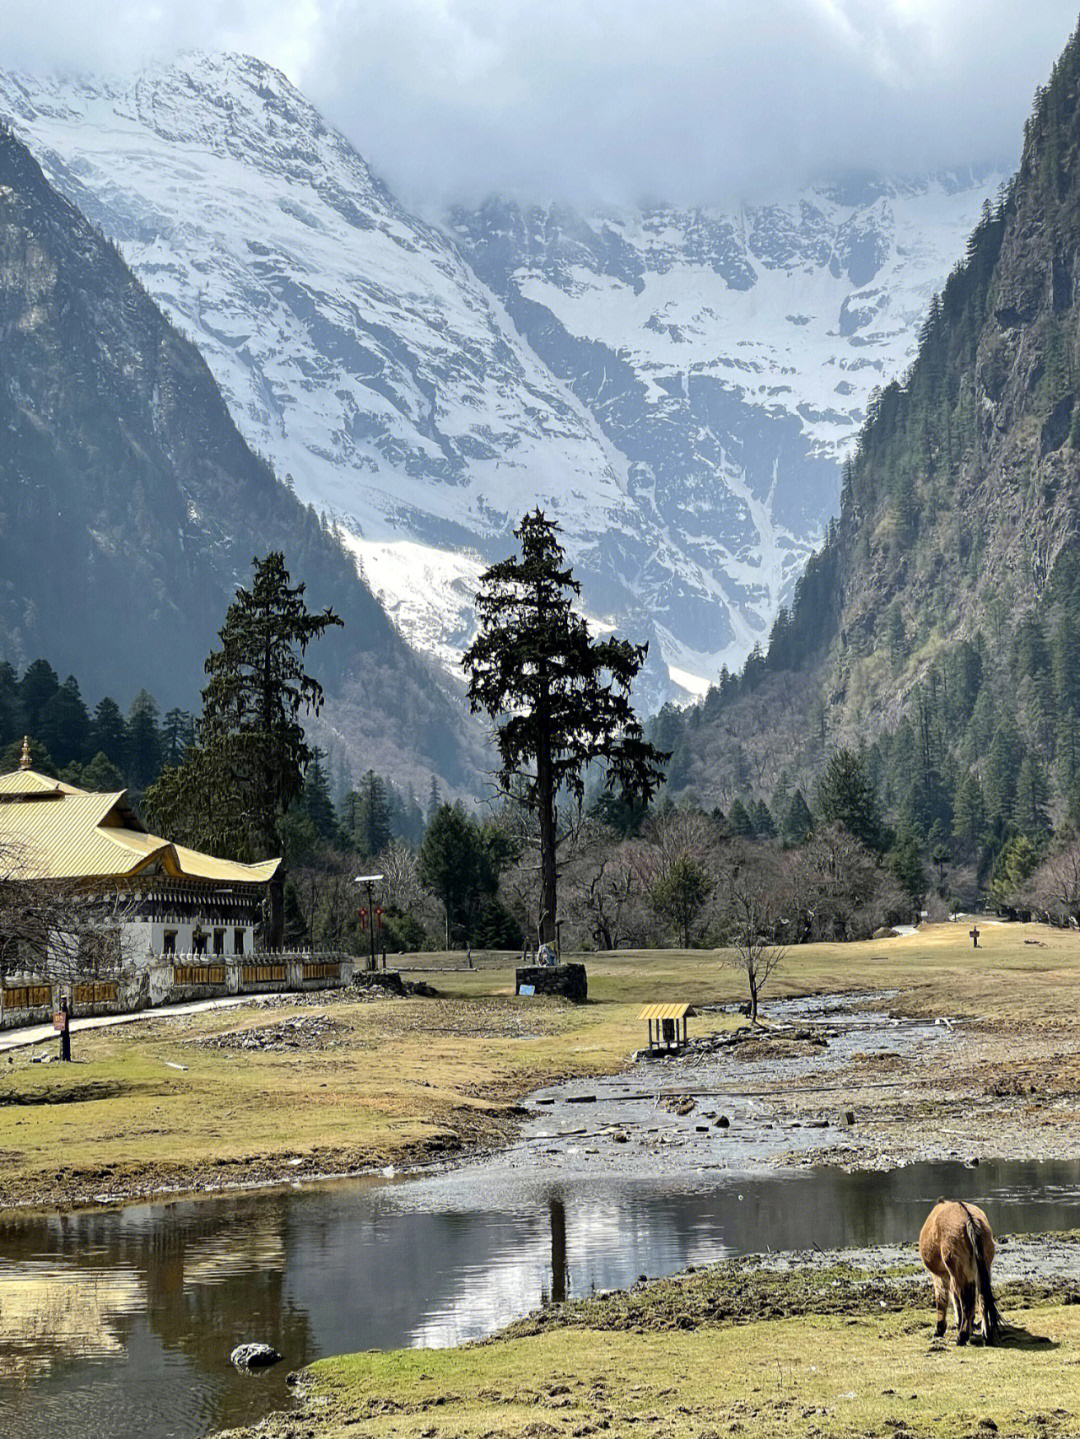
[{"x": 957, "y": 1247}]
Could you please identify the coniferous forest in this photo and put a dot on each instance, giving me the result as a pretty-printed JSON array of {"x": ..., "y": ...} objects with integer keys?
[{"x": 937, "y": 632}]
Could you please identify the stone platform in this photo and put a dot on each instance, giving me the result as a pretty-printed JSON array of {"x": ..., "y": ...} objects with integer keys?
[{"x": 568, "y": 980}]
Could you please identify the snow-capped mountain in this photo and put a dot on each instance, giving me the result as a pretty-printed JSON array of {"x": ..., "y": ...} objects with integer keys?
[
  {"x": 730, "y": 359},
  {"x": 675, "y": 388}
]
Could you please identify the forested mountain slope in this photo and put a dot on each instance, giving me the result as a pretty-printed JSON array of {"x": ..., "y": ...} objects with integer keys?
[
  {"x": 130, "y": 506},
  {"x": 941, "y": 619}
]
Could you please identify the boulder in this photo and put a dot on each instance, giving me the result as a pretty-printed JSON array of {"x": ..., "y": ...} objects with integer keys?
[{"x": 254, "y": 1356}]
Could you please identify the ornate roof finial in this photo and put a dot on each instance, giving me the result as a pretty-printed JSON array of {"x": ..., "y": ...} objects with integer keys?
[{"x": 26, "y": 759}]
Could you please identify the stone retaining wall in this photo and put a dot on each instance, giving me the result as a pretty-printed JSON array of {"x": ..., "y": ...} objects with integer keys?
[
  {"x": 174, "y": 979},
  {"x": 568, "y": 980}
]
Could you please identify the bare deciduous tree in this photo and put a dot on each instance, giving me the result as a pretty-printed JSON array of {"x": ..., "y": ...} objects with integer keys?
[
  {"x": 1054, "y": 889},
  {"x": 56, "y": 930},
  {"x": 752, "y": 915}
]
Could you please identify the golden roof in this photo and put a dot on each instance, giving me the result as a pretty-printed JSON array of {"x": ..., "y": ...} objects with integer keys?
[
  {"x": 52, "y": 830},
  {"x": 666, "y": 1011}
]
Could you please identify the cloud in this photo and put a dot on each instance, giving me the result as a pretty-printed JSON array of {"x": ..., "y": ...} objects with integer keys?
[{"x": 693, "y": 101}]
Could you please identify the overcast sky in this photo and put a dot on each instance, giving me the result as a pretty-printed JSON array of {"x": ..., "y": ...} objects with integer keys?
[{"x": 693, "y": 101}]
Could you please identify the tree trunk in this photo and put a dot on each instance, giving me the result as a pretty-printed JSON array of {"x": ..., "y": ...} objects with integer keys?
[
  {"x": 753, "y": 1000},
  {"x": 545, "y": 798}
]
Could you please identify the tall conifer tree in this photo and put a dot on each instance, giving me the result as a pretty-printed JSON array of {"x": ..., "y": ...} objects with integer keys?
[{"x": 560, "y": 700}]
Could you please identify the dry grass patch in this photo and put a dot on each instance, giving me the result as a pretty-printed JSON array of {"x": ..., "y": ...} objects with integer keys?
[{"x": 403, "y": 1079}]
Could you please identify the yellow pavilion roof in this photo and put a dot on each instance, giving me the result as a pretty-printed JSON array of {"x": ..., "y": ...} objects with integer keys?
[
  {"x": 666, "y": 1011},
  {"x": 52, "y": 830}
]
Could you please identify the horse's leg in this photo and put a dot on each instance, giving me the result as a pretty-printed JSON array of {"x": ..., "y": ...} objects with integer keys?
[
  {"x": 941, "y": 1304},
  {"x": 968, "y": 1304},
  {"x": 956, "y": 1287}
]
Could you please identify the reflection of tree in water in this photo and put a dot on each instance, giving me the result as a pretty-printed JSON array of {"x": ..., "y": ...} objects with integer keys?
[
  {"x": 559, "y": 1270},
  {"x": 212, "y": 1275}
]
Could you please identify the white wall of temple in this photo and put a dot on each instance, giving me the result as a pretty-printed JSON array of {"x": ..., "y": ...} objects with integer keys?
[{"x": 146, "y": 938}]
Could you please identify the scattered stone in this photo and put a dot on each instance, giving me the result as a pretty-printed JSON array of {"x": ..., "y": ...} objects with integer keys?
[
  {"x": 254, "y": 1356},
  {"x": 387, "y": 980},
  {"x": 303, "y": 1031}
]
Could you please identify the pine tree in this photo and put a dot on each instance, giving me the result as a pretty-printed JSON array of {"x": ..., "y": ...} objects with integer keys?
[
  {"x": 679, "y": 894},
  {"x": 1002, "y": 766},
  {"x": 315, "y": 800},
  {"x": 371, "y": 829},
  {"x": 846, "y": 797},
  {"x": 559, "y": 700},
  {"x": 108, "y": 732},
  {"x": 908, "y": 867},
  {"x": 798, "y": 822},
  {"x": 1032, "y": 796},
  {"x": 458, "y": 866},
  {"x": 64, "y": 725},
  {"x": 434, "y": 803},
  {"x": 36, "y": 688},
  {"x": 764, "y": 825},
  {"x": 739, "y": 820},
  {"x": 969, "y": 816},
  {"x": 235, "y": 786},
  {"x": 142, "y": 757},
  {"x": 101, "y": 775},
  {"x": 177, "y": 734}
]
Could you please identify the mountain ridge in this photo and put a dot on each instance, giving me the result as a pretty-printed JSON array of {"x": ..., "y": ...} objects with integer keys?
[
  {"x": 130, "y": 506},
  {"x": 424, "y": 391},
  {"x": 938, "y": 629}
]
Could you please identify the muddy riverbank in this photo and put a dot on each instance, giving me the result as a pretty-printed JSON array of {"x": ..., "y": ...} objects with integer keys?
[{"x": 867, "y": 1080}]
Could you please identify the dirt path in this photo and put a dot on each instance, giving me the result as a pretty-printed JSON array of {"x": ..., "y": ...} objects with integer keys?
[{"x": 40, "y": 1033}]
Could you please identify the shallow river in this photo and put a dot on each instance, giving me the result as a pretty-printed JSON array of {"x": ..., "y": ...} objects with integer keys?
[{"x": 119, "y": 1323}]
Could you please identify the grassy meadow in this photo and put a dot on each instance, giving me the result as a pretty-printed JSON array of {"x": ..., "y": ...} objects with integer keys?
[{"x": 175, "y": 1101}]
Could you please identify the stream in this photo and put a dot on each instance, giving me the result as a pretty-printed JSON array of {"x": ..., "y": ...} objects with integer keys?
[{"x": 119, "y": 1322}]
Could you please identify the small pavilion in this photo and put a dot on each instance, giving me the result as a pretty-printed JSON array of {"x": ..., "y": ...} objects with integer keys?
[{"x": 667, "y": 1026}]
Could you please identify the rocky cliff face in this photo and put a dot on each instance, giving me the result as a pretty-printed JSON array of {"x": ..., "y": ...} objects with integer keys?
[
  {"x": 957, "y": 541},
  {"x": 675, "y": 387},
  {"x": 130, "y": 506},
  {"x": 730, "y": 358}
]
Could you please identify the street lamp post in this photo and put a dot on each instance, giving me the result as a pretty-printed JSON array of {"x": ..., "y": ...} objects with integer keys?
[{"x": 370, "y": 880}]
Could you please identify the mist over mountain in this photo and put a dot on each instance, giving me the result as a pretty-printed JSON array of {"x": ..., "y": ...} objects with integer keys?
[{"x": 676, "y": 387}]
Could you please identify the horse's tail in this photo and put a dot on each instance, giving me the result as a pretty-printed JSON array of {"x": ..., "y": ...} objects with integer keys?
[{"x": 991, "y": 1317}]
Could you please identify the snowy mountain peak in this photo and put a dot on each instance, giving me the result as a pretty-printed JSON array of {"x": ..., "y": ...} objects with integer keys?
[{"x": 675, "y": 386}]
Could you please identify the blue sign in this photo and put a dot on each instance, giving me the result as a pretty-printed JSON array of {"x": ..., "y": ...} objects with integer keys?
[{"x": 529, "y": 989}]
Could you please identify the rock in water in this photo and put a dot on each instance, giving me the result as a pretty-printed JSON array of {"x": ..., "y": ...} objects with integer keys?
[{"x": 254, "y": 1356}]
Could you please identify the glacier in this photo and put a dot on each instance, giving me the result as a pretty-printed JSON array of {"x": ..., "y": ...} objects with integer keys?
[{"x": 676, "y": 387}]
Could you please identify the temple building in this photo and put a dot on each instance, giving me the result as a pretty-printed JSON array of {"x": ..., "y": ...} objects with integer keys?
[{"x": 169, "y": 900}]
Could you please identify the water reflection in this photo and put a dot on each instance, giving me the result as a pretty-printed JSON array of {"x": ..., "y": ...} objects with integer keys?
[{"x": 121, "y": 1322}]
